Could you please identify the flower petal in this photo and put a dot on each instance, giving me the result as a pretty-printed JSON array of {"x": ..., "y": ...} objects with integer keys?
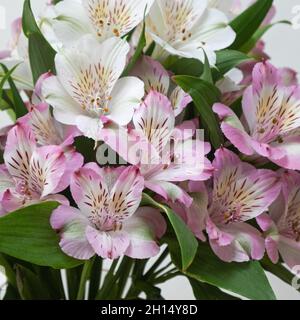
[
  {"x": 126, "y": 193},
  {"x": 155, "y": 119},
  {"x": 18, "y": 151},
  {"x": 126, "y": 97},
  {"x": 143, "y": 228},
  {"x": 72, "y": 225},
  {"x": 108, "y": 245}
]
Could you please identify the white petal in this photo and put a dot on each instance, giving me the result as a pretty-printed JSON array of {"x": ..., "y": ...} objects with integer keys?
[{"x": 126, "y": 97}]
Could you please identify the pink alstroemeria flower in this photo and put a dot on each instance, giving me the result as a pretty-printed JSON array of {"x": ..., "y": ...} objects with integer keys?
[
  {"x": 282, "y": 224},
  {"x": 164, "y": 153},
  {"x": 272, "y": 114},
  {"x": 239, "y": 193},
  {"x": 46, "y": 129},
  {"x": 32, "y": 174},
  {"x": 108, "y": 222},
  {"x": 157, "y": 78}
]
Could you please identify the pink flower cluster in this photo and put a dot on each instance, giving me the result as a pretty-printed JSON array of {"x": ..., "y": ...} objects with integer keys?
[{"x": 244, "y": 199}]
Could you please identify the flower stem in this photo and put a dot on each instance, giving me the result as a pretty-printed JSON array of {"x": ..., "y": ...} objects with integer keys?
[{"x": 84, "y": 277}]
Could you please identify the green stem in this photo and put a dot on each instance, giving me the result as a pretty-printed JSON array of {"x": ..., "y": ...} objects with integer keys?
[
  {"x": 84, "y": 277},
  {"x": 157, "y": 263},
  {"x": 278, "y": 270},
  {"x": 158, "y": 273},
  {"x": 95, "y": 278},
  {"x": 73, "y": 279},
  {"x": 108, "y": 282},
  {"x": 123, "y": 275},
  {"x": 166, "y": 277}
]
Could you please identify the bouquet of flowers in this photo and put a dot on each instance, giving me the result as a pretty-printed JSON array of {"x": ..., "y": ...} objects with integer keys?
[{"x": 142, "y": 140}]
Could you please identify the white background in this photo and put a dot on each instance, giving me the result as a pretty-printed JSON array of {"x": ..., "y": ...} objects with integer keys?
[{"x": 283, "y": 45}]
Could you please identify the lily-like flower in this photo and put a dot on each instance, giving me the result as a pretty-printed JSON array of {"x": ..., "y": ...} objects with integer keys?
[
  {"x": 231, "y": 8},
  {"x": 157, "y": 78},
  {"x": 7, "y": 120},
  {"x": 282, "y": 224},
  {"x": 32, "y": 174},
  {"x": 239, "y": 193},
  {"x": 87, "y": 90},
  {"x": 164, "y": 153},
  {"x": 103, "y": 19},
  {"x": 272, "y": 113},
  {"x": 17, "y": 55},
  {"x": 108, "y": 222},
  {"x": 189, "y": 28},
  {"x": 45, "y": 129}
]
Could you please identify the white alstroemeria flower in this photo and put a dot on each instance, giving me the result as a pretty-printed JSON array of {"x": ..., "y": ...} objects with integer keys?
[
  {"x": 231, "y": 8},
  {"x": 17, "y": 55},
  {"x": 72, "y": 19},
  {"x": 87, "y": 91},
  {"x": 187, "y": 28}
]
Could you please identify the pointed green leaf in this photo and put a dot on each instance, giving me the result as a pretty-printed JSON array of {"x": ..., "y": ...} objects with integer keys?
[
  {"x": 248, "y": 46},
  {"x": 204, "y": 291},
  {"x": 138, "y": 52},
  {"x": 245, "y": 279},
  {"x": 29, "y": 24},
  {"x": 204, "y": 95},
  {"x": 26, "y": 234},
  {"x": 41, "y": 54},
  {"x": 187, "y": 241},
  {"x": 227, "y": 60},
  {"x": 19, "y": 105},
  {"x": 207, "y": 73},
  {"x": 247, "y": 23}
]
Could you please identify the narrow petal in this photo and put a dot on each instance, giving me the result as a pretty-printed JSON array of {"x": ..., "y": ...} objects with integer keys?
[
  {"x": 153, "y": 74},
  {"x": 90, "y": 192},
  {"x": 155, "y": 119},
  {"x": 126, "y": 193},
  {"x": 47, "y": 167},
  {"x": 169, "y": 191},
  {"x": 18, "y": 151}
]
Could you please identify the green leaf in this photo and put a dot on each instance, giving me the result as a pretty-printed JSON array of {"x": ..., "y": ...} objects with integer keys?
[
  {"x": 41, "y": 54},
  {"x": 184, "y": 66},
  {"x": 29, "y": 285},
  {"x": 19, "y": 105},
  {"x": 6, "y": 76},
  {"x": 187, "y": 241},
  {"x": 247, "y": 23},
  {"x": 26, "y": 234},
  {"x": 204, "y": 291},
  {"x": 278, "y": 270},
  {"x": 227, "y": 60},
  {"x": 28, "y": 20},
  {"x": 207, "y": 73},
  {"x": 248, "y": 46},
  {"x": 138, "y": 52},
  {"x": 245, "y": 279},
  {"x": 204, "y": 95},
  {"x": 152, "y": 292},
  {"x": 11, "y": 293},
  {"x": 9, "y": 271}
]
